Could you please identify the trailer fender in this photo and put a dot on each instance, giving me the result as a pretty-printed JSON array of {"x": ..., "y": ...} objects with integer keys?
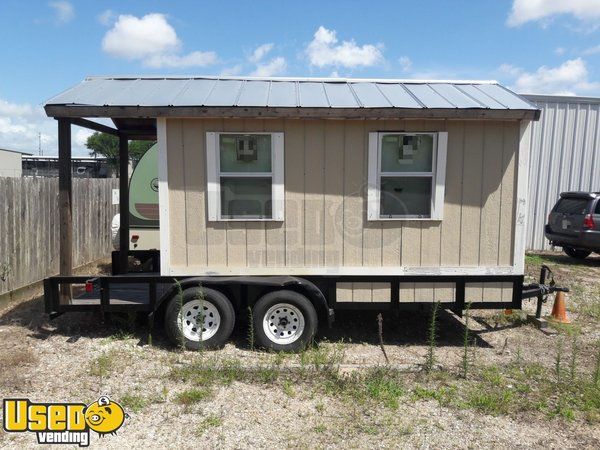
[{"x": 312, "y": 291}]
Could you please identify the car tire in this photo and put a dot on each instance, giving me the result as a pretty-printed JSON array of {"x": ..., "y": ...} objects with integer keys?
[
  {"x": 575, "y": 253},
  {"x": 184, "y": 313},
  {"x": 284, "y": 321}
]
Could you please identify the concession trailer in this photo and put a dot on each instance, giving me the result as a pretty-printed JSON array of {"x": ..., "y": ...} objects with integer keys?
[{"x": 298, "y": 197}]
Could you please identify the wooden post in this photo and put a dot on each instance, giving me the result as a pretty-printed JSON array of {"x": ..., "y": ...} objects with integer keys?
[
  {"x": 65, "y": 194},
  {"x": 123, "y": 203}
]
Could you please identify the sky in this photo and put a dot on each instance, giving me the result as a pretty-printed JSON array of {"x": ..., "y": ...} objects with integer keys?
[{"x": 531, "y": 46}]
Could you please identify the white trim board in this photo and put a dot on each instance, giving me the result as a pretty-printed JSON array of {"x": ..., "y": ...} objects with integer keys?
[
  {"x": 520, "y": 225},
  {"x": 437, "y": 174},
  {"x": 163, "y": 196},
  {"x": 214, "y": 174},
  {"x": 339, "y": 271}
]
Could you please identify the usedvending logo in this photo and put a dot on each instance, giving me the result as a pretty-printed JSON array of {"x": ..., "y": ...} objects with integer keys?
[{"x": 63, "y": 423}]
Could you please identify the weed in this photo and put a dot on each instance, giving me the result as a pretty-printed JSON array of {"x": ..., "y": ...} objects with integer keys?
[
  {"x": 493, "y": 376},
  {"x": 380, "y": 333},
  {"x": 385, "y": 386},
  {"x": 432, "y": 338},
  {"x": 558, "y": 359},
  {"x": 596, "y": 374},
  {"x": 490, "y": 401},
  {"x": 573, "y": 360},
  {"x": 320, "y": 428},
  {"x": 250, "y": 328},
  {"x": 322, "y": 357},
  {"x": 179, "y": 307},
  {"x": 288, "y": 389},
  {"x": 192, "y": 396},
  {"x": 268, "y": 374},
  {"x": 443, "y": 395},
  {"x": 133, "y": 403},
  {"x": 320, "y": 408},
  {"x": 210, "y": 421},
  {"x": 466, "y": 343},
  {"x": 104, "y": 364}
]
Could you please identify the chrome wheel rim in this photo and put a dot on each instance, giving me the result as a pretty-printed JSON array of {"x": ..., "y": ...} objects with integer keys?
[
  {"x": 283, "y": 323},
  {"x": 199, "y": 318}
]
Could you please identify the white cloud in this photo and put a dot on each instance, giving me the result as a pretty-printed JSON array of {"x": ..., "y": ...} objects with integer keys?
[
  {"x": 324, "y": 50},
  {"x": 560, "y": 51},
  {"x": 569, "y": 78},
  {"x": 592, "y": 50},
  {"x": 233, "y": 70},
  {"x": 193, "y": 59},
  {"x": 63, "y": 11},
  {"x": 405, "y": 63},
  {"x": 151, "y": 40},
  {"x": 260, "y": 52},
  {"x": 533, "y": 10},
  {"x": 23, "y": 125},
  {"x": 275, "y": 66},
  {"x": 81, "y": 136},
  {"x": 107, "y": 17}
]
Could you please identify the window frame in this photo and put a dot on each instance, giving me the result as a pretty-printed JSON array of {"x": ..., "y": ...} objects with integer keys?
[
  {"x": 214, "y": 174},
  {"x": 438, "y": 176}
]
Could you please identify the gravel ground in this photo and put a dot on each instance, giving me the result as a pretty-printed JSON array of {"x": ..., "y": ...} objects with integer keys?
[{"x": 77, "y": 357}]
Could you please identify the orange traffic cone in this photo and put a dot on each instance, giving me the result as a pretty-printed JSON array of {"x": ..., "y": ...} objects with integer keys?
[{"x": 559, "y": 310}]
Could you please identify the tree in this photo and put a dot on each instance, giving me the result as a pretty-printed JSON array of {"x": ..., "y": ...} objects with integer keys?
[{"x": 107, "y": 145}]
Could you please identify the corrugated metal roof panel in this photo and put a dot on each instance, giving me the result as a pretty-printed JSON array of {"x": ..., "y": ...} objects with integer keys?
[
  {"x": 428, "y": 96},
  {"x": 370, "y": 96},
  {"x": 504, "y": 96},
  {"x": 283, "y": 94},
  {"x": 224, "y": 93},
  {"x": 254, "y": 93},
  {"x": 194, "y": 93},
  {"x": 340, "y": 95},
  {"x": 480, "y": 96},
  {"x": 398, "y": 96},
  {"x": 454, "y": 96},
  {"x": 312, "y": 95},
  {"x": 289, "y": 92}
]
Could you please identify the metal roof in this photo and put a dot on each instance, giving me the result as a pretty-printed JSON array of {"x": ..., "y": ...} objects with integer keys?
[
  {"x": 14, "y": 151},
  {"x": 317, "y": 94}
]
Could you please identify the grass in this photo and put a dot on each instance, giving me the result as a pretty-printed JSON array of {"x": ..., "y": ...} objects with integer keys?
[
  {"x": 105, "y": 364},
  {"x": 133, "y": 403},
  {"x": 210, "y": 421},
  {"x": 193, "y": 396}
]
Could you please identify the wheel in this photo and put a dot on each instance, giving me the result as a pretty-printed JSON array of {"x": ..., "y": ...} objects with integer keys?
[
  {"x": 284, "y": 321},
  {"x": 199, "y": 312},
  {"x": 575, "y": 253}
]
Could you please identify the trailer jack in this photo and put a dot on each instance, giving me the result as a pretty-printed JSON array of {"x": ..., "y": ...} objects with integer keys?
[{"x": 542, "y": 290}]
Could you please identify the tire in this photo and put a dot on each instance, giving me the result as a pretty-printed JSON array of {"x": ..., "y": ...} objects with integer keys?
[
  {"x": 219, "y": 319},
  {"x": 575, "y": 253},
  {"x": 296, "y": 321}
]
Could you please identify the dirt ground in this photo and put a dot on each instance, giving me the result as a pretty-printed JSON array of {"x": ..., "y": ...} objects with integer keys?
[{"x": 522, "y": 387}]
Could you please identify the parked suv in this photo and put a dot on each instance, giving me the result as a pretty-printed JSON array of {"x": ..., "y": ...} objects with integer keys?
[{"x": 574, "y": 224}]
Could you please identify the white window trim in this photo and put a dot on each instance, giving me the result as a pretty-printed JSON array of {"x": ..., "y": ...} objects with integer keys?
[
  {"x": 163, "y": 196},
  {"x": 214, "y": 174},
  {"x": 440, "y": 150}
]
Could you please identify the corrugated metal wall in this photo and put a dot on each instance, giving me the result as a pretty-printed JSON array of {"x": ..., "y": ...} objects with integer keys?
[{"x": 565, "y": 156}]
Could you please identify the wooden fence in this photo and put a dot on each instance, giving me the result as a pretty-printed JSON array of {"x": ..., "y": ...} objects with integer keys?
[{"x": 29, "y": 226}]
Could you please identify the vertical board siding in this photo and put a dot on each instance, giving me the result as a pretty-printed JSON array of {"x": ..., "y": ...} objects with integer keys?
[
  {"x": 29, "y": 226},
  {"x": 325, "y": 201},
  {"x": 564, "y": 156}
]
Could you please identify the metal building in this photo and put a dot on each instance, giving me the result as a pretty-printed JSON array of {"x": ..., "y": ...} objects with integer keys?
[
  {"x": 565, "y": 156},
  {"x": 10, "y": 162}
]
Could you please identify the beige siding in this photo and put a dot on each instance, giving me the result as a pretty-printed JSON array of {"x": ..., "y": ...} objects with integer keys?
[
  {"x": 363, "y": 292},
  {"x": 325, "y": 205}
]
